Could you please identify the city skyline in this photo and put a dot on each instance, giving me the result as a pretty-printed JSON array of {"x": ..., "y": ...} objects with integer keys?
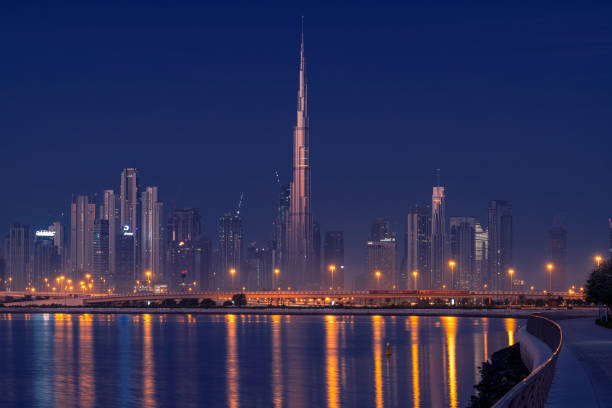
[{"x": 338, "y": 203}]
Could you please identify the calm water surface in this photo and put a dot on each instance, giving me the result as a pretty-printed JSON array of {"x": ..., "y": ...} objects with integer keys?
[{"x": 59, "y": 360}]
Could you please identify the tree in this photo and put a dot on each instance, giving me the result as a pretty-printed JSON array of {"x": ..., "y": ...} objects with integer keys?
[
  {"x": 599, "y": 285},
  {"x": 208, "y": 303},
  {"x": 239, "y": 299}
]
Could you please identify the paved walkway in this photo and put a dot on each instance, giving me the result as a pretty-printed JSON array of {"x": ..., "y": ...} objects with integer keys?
[{"x": 583, "y": 376}]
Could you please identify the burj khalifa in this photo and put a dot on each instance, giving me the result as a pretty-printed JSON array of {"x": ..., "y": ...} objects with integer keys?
[{"x": 300, "y": 268}]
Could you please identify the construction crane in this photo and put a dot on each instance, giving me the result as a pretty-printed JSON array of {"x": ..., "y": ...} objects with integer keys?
[{"x": 240, "y": 203}]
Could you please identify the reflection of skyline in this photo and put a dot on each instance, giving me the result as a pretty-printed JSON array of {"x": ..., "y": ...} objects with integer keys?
[
  {"x": 333, "y": 391},
  {"x": 450, "y": 329},
  {"x": 274, "y": 360},
  {"x": 379, "y": 327},
  {"x": 148, "y": 369},
  {"x": 232, "y": 362},
  {"x": 416, "y": 377},
  {"x": 277, "y": 364},
  {"x": 87, "y": 387}
]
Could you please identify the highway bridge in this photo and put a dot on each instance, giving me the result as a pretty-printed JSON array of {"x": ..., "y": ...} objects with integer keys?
[
  {"x": 329, "y": 297},
  {"x": 366, "y": 297}
]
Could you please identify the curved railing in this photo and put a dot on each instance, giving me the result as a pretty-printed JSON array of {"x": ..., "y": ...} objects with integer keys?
[{"x": 533, "y": 390}]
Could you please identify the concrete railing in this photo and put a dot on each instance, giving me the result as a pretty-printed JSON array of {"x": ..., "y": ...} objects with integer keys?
[{"x": 533, "y": 390}]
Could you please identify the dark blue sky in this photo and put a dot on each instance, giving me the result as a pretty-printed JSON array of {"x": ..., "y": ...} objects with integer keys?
[{"x": 511, "y": 102}]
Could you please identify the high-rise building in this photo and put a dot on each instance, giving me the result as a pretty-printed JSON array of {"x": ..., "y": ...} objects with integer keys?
[
  {"x": 129, "y": 199},
  {"x": 188, "y": 253},
  {"x": 82, "y": 216},
  {"x": 229, "y": 240},
  {"x": 101, "y": 239},
  {"x": 558, "y": 256},
  {"x": 500, "y": 244},
  {"x": 381, "y": 268},
  {"x": 123, "y": 280},
  {"x": 46, "y": 260},
  {"x": 59, "y": 240},
  {"x": 462, "y": 252},
  {"x": 417, "y": 249},
  {"x": 481, "y": 240},
  {"x": 111, "y": 211},
  {"x": 334, "y": 256},
  {"x": 280, "y": 238},
  {"x": 438, "y": 238},
  {"x": 381, "y": 229},
  {"x": 18, "y": 245},
  {"x": 300, "y": 271},
  {"x": 151, "y": 242},
  {"x": 183, "y": 225},
  {"x": 259, "y": 268}
]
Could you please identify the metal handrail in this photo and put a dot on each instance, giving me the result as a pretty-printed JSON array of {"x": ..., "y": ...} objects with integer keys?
[{"x": 533, "y": 390}]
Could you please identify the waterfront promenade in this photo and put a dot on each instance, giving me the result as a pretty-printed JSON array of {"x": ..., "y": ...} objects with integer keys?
[{"x": 583, "y": 376}]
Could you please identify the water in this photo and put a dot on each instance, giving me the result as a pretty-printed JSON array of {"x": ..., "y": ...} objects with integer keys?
[{"x": 59, "y": 360}]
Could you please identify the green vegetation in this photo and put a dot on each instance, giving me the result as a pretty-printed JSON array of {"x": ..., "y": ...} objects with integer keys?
[
  {"x": 505, "y": 370},
  {"x": 239, "y": 299},
  {"x": 599, "y": 289},
  {"x": 604, "y": 323}
]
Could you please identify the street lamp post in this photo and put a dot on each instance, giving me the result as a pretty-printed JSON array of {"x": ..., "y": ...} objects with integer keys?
[
  {"x": 598, "y": 260},
  {"x": 452, "y": 266},
  {"x": 276, "y": 272},
  {"x": 232, "y": 273},
  {"x": 550, "y": 268},
  {"x": 511, "y": 273},
  {"x": 332, "y": 268},
  {"x": 377, "y": 273},
  {"x": 148, "y": 275},
  {"x": 415, "y": 274}
]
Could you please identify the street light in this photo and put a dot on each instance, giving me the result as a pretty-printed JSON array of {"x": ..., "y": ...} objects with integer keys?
[
  {"x": 332, "y": 268},
  {"x": 452, "y": 266},
  {"x": 598, "y": 260},
  {"x": 377, "y": 273},
  {"x": 511, "y": 272},
  {"x": 276, "y": 272},
  {"x": 415, "y": 274},
  {"x": 232, "y": 272},
  {"x": 148, "y": 275},
  {"x": 550, "y": 267}
]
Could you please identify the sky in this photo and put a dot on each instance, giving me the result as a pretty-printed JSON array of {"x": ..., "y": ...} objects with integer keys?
[{"x": 511, "y": 101}]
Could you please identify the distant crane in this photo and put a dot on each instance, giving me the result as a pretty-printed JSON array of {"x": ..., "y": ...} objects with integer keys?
[{"x": 240, "y": 204}]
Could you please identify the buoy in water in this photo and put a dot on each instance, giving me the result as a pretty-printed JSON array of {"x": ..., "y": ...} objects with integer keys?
[{"x": 388, "y": 352}]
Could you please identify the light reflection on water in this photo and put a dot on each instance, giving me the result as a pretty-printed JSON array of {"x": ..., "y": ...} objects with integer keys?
[{"x": 86, "y": 360}]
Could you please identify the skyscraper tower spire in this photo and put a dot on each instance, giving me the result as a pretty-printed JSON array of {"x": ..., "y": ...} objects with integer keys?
[{"x": 300, "y": 266}]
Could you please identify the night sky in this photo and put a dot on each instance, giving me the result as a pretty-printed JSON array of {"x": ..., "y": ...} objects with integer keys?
[{"x": 509, "y": 102}]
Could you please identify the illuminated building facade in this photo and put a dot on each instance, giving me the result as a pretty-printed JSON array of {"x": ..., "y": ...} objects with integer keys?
[
  {"x": 462, "y": 237},
  {"x": 300, "y": 269},
  {"x": 129, "y": 197},
  {"x": 481, "y": 241},
  {"x": 82, "y": 217},
  {"x": 438, "y": 238},
  {"x": 417, "y": 246},
  {"x": 101, "y": 239},
  {"x": 151, "y": 241},
  {"x": 18, "y": 259},
  {"x": 229, "y": 239},
  {"x": 500, "y": 244}
]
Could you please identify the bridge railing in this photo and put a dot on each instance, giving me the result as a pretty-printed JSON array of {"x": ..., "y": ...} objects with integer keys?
[{"x": 533, "y": 390}]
